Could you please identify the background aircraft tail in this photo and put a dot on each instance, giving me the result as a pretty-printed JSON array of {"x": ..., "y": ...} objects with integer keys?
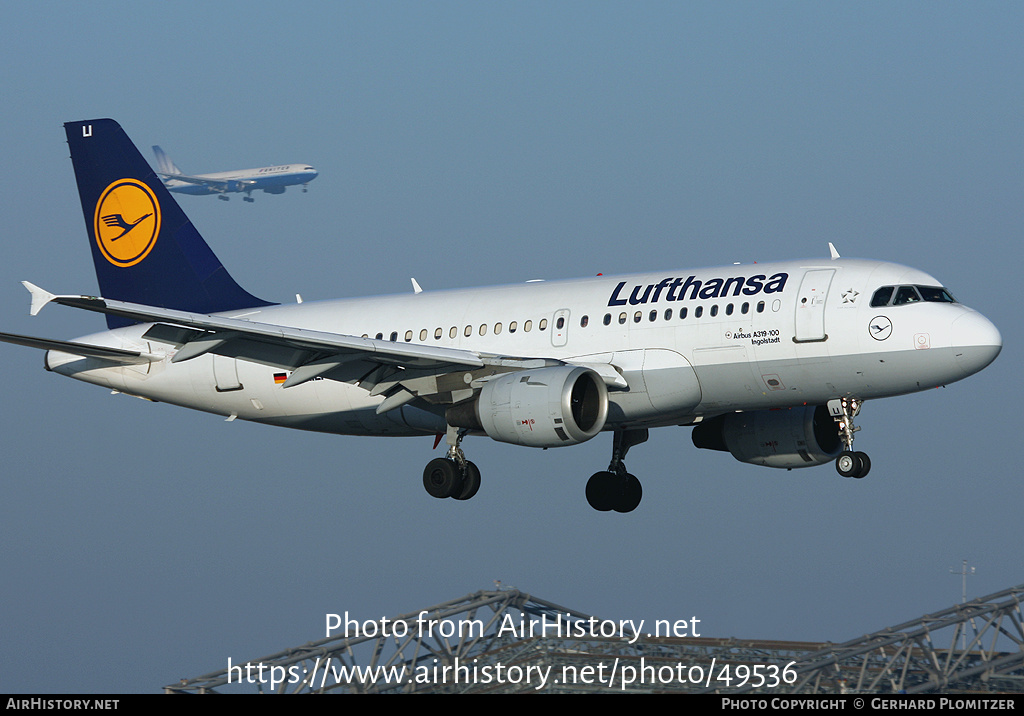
[
  {"x": 164, "y": 164},
  {"x": 145, "y": 250}
]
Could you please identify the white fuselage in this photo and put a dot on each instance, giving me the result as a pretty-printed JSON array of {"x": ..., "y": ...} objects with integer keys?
[
  {"x": 675, "y": 347},
  {"x": 270, "y": 179}
]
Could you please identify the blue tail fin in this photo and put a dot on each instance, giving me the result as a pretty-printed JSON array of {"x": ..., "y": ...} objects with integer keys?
[
  {"x": 163, "y": 162},
  {"x": 144, "y": 248}
]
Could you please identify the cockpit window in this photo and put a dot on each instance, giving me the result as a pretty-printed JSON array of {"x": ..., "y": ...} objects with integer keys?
[
  {"x": 906, "y": 294},
  {"x": 882, "y": 296},
  {"x": 936, "y": 294},
  {"x": 900, "y": 295}
]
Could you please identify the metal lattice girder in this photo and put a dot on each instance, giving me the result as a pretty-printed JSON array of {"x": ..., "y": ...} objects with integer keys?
[
  {"x": 346, "y": 662},
  {"x": 905, "y": 658}
]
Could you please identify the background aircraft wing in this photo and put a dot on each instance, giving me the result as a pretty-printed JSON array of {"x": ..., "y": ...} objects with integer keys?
[{"x": 218, "y": 184}]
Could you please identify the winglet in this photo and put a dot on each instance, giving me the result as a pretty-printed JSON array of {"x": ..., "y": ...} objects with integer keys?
[
  {"x": 39, "y": 297},
  {"x": 832, "y": 250}
]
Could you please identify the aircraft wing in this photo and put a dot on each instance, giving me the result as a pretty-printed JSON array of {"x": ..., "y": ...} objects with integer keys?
[
  {"x": 219, "y": 184},
  {"x": 399, "y": 371}
]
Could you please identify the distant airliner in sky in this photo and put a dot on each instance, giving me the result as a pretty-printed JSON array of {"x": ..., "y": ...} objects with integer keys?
[
  {"x": 272, "y": 180},
  {"x": 770, "y": 362}
]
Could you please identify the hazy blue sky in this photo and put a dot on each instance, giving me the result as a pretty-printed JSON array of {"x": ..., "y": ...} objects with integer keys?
[{"x": 476, "y": 143}]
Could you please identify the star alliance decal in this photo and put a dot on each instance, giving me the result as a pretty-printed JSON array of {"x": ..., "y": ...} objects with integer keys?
[{"x": 850, "y": 296}]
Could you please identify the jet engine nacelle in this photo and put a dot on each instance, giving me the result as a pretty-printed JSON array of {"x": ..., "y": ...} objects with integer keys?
[
  {"x": 797, "y": 437},
  {"x": 546, "y": 407}
]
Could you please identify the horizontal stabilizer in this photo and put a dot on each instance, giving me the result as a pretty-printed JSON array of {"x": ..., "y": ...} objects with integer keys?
[{"x": 116, "y": 355}]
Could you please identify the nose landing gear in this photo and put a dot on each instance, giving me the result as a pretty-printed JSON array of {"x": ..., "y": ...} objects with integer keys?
[{"x": 849, "y": 463}]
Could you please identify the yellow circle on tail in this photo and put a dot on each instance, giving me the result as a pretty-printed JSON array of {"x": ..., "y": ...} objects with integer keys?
[{"x": 127, "y": 222}]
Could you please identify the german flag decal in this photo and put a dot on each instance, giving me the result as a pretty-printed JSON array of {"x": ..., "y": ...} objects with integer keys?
[{"x": 280, "y": 378}]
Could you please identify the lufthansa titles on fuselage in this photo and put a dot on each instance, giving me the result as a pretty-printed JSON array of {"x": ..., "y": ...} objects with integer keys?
[{"x": 676, "y": 289}]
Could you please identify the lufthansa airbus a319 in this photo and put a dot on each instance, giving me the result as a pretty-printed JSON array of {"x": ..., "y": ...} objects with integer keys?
[
  {"x": 770, "y": 362},
  {"x": 271, "y": 180}
]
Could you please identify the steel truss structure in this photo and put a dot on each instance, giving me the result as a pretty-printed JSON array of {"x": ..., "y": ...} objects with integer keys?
[
  {"x": 985, "y": 652},
  {"x": 509, "y": 641}
]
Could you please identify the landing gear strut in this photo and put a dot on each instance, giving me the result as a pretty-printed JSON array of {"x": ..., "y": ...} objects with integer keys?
[
  {"x": 616, "y": 489},
  {"x": 452, "y": 476},
  {"x": 849, "y": 463}
]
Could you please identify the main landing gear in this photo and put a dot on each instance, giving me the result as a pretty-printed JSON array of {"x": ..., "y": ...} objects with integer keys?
[
  {"x": 452, "y": 476},
  {"x": 849, "y": 463},
  {"x": 616, "y": 489}
]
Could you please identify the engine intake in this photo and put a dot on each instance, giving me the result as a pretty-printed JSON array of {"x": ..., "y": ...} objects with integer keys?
[{"x": 547, "y": 407}]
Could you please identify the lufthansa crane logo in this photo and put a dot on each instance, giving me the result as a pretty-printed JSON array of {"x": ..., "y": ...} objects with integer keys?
[
  {"x": 880, "y": 328},
  {"x": 127, "y": 222}
]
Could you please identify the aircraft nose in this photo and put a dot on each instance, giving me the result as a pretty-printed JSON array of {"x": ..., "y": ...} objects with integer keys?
[{"x": 976, "y": 342}]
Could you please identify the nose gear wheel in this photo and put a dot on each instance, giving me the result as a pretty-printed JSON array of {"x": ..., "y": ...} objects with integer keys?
[{"x": 849, "y": 463}]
